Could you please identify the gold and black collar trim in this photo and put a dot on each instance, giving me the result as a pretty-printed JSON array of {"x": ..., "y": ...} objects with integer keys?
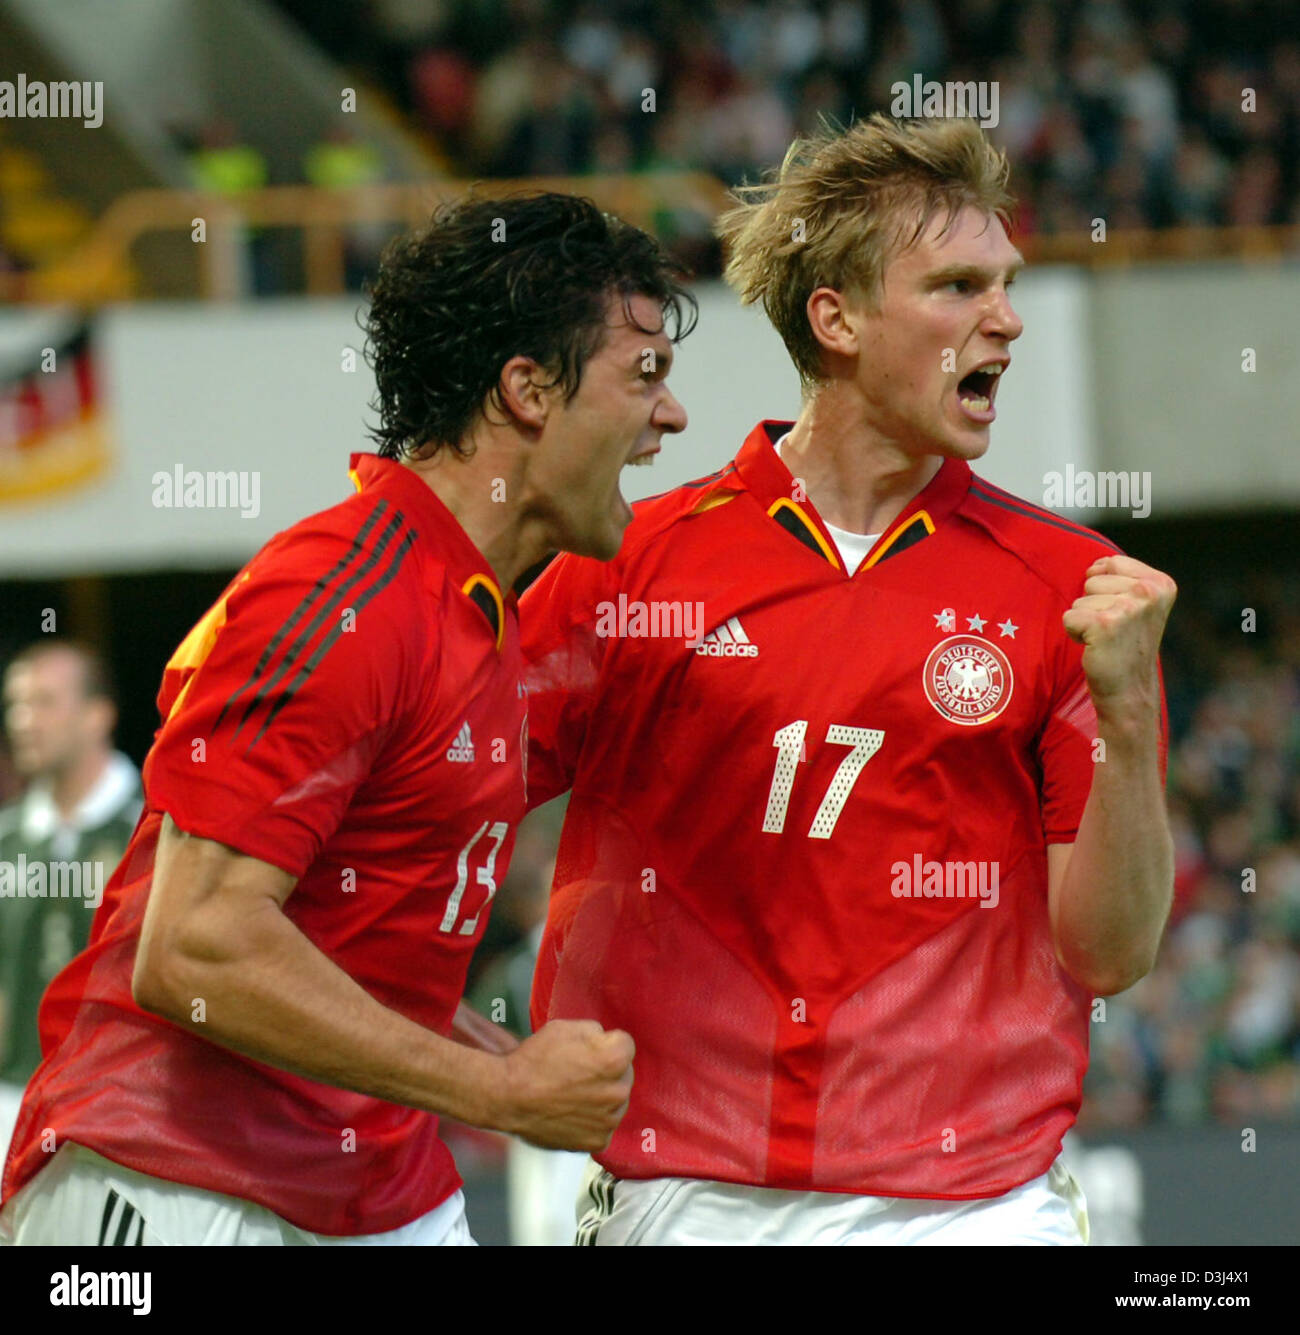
[
  {"x": 485, "y": 595},
  {"x": 795, "y": 520},
  {"x": 913, "y": 530},
  {"x": 771, "y": 484}
]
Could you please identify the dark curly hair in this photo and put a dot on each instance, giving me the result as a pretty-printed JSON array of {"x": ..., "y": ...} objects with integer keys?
[{"x": 488, "y": 279}]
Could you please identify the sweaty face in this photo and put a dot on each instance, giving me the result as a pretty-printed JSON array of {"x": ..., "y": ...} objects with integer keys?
[
  {"x": 933, "y": 353},
  {"x": 621, "y": 410}
]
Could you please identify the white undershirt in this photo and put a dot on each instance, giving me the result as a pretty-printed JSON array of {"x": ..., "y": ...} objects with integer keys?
[{"x": 852, "y": 547}]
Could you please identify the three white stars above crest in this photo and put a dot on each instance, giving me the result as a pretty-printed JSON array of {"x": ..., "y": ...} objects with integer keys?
[{"x": 947, "y": 620}]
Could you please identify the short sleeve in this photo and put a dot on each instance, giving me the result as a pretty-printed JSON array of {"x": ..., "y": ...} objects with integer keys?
[
  {"x": 296, "y": 691},
  {"x": 558, "y": 616},
  {"x": 1066, "y": 752}
]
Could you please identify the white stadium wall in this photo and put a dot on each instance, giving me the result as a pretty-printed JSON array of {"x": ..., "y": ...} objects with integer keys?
[
  {"x": 1172, "y": 352},
  {"x": 1107, "y": 375}
]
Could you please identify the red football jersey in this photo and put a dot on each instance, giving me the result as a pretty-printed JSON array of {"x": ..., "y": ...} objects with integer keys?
[
  {"x": 804, "y": 861},
  {"x": 349, "y": 711}
]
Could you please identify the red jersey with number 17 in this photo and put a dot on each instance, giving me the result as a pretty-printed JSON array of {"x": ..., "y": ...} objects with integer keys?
[
  {"x": 349, "y": 711},
  {"x": 804, "y": 861}
]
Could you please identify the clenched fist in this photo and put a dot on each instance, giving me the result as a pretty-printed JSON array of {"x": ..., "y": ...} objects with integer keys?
[
  {"x": 567, "y": 1087},
  {"x": 1119, "y": 620}
]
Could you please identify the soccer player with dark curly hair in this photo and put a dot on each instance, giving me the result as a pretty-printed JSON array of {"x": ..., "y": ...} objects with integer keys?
[{"x": 254, "y": 1046}]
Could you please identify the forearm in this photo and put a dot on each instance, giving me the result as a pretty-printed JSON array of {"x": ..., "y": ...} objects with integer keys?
[
  {"x": 268, "y": 992},
  {"x": 1114, "y": 898}
]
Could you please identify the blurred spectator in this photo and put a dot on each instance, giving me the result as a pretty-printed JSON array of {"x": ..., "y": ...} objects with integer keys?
[
  {"x": 1255, "y": 193},
  {"x": 81, "y": 805},
  {"x": 749, "y": 125},
  {"x": 222, "y": 164},
  {"x": 1148, "y": 102},
  {"x": 554, "y": 128},
  {"x": 342, "y": 161},
  {"x": 442, "y": 88},
  {"x": 502, "y": 97},
  {"x": 1200, "y": 177}
]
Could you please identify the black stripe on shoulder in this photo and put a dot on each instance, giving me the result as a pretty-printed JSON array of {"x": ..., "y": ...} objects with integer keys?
[
  {"x": 399, "y": 555},
  {"x": 698, "y": 484},
  {"x": 712, "y": 477},
  {"x": 358, "y": 542},
  {"x": 341, "y": 591},
  {"x": 1007, "y": 501}
]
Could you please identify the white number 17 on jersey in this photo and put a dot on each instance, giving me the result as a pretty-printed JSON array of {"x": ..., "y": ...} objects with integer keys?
[{"x": 790, "y": 751}]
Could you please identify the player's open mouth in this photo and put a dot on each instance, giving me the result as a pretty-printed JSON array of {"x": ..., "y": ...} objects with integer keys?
[
  {"x": 977, "y": 390},
  {"x": 642, "y": 459}
]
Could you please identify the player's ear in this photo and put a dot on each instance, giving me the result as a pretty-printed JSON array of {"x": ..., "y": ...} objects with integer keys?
[
  {"x": 830, "y": 321},
  {"x": 522, "y": 393}
]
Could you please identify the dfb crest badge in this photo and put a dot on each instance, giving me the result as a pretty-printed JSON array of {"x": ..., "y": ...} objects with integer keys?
[{"x": 968, "y": 679}]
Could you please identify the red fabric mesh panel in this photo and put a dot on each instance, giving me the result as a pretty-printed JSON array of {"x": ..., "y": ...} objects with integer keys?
[
  {"x": 704, "y": 1065},
  {"x": 975, "y": 1035},
  {"x": 930, "y": 1066}
]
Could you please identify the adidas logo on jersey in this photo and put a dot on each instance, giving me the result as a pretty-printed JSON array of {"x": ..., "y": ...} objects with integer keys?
[
  {"x": 727, "y": 641},
  {"x": 462, "y": 749}
]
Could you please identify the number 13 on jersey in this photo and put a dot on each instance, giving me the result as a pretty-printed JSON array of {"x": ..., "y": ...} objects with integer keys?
[
  {"x": 789, "y": 743},
  {"x": 484, "y": 875}
]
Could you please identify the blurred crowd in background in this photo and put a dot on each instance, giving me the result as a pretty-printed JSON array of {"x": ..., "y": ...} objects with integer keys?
[
  {"x": 1130, "y": 110},
  {"x": 1143, "y": 113},
  {"x": 1147, "y": 114},
  {"x": 1213, "y": 1033}
]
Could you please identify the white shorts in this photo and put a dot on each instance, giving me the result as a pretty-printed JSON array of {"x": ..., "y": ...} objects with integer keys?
[
  {"x": 687, "y": 1212},
  {"x": 82, "y": 1199}
]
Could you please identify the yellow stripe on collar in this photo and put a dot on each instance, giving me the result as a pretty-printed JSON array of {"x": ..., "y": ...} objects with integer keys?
[
  {"x": 793, "y": 519},
  {"x": 485, "y": 595},
  {"x": 882, "y": 550}
]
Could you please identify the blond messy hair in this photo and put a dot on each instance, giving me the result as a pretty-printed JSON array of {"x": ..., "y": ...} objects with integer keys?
[{"x": 844, "y": 203}]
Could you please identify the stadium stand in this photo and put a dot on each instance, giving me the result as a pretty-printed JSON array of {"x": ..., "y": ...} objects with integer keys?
[{"x": 1128, "y": 109}]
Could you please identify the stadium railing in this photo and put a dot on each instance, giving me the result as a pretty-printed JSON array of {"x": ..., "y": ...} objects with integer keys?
[{"x": 102, "y": 268}]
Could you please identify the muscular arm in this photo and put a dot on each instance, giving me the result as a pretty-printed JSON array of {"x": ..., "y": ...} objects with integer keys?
[
  {"x": 1109, "y": 892},
  {"x": 214, "y": 930}
]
